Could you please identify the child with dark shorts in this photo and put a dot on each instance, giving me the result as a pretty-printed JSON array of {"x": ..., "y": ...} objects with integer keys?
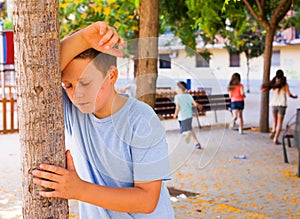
[
  {"x": 278, "y": 102},
  {"x": 237, "y": 95},
  {"x": 184, "y": 110}
]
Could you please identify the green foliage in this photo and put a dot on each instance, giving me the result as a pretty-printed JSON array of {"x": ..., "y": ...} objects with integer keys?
[
  {"x": 122, "y": 14},
  {"x": 174, "y": 16},
  {"x": 250, "y": 39},
  {"x": 206, "y": 55},
  {"x": 8, "y": 25},
  {"x": 293, "y": 21}
]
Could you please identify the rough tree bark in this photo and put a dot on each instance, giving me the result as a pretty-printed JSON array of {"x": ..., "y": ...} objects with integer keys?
[
  {"x": 41, "y": 125},
  {"x": 148, "y": 50}
]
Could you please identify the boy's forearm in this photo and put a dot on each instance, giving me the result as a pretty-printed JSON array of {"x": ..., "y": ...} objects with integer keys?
[
  {"x": 132, "y": 199},
  {"x": 70, "y": 47},
  {"x": 176, "y": 112}
]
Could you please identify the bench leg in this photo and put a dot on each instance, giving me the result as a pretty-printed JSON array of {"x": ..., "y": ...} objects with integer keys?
[
  {"x": 289, "y": 142},
  {"x": 199, "y": 125},
  {"x": 298, "y": 174},
  {"x": 216, "y": 118},
  {"x": 284, "y": 150}
]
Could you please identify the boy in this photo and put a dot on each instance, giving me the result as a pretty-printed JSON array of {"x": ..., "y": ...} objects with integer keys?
[
  {"x": 120, "y": 159},
  {"x": 184, "y": 103}
]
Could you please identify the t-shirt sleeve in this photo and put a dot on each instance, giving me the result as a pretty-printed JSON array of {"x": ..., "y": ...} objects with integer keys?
[
  {"x": 176, "y": 99},
  {"x": 67, "y": 104},
  {"x": 149, "y": 148},
  {"x": 191, "y": 98}
]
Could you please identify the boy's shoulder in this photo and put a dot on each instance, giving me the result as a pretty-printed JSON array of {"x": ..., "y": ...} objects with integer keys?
[{"x": 139, "y": 107}]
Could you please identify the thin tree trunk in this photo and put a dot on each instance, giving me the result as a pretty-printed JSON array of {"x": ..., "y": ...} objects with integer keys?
[
  {"x": 148, "y": 50},
  {"x": 264, "y": 103},
  {"x": 39, "y": 99},
  {"x": 136, "y": 55},
  {"x": 248, "y": 73},
  {"x": 269, "y": 23}
]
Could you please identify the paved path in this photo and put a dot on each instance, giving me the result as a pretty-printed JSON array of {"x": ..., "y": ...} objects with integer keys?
[{"x": 261, "y": 186}]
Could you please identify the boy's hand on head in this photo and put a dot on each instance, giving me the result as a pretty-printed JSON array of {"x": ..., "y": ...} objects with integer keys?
[
  {"x": 103, "y": 37},
  {"x": 64, "y": 183}
]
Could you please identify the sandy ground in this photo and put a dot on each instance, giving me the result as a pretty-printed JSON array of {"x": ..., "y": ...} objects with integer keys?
[{"x": 261, "y": 186}]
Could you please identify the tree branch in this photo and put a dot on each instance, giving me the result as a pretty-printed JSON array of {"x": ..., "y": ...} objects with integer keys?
[
  {"x": 261, "y": 19},
  {"x": 260, "y": 8},
  {"x": 263, "y": 3},
  {"x": 281, "y": 10}
]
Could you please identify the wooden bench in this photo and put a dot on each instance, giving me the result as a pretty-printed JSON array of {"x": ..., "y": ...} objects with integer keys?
[
  {"x": 287, "y": 135},
  {"x": 214, "y": 103},
  {"x": 165, "y": 106}
]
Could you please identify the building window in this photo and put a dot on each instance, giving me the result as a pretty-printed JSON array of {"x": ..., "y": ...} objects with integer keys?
[
  {"x": 297, "y": 33},
  {"x": 164, "y": 61},
  {"x": 275, "y": 61},
  {"x": 201, "y": 62},
  {"x": 234, "y": 60}
]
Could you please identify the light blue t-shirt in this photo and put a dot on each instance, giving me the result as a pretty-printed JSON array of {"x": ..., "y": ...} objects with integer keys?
[
  {"x": 115, "y": 151},
  {"x": 185, "y": 101}
]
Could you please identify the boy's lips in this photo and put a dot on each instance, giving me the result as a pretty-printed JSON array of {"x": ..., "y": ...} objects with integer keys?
[{"x": 82, "y": 104}]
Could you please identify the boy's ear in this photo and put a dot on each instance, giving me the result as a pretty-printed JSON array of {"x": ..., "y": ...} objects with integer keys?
[{"x": 113, "y": 74}]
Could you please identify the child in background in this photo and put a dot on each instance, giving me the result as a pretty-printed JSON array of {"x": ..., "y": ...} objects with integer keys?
[
  {"x": 184, "y": 110},
  {"x": 278, "y": 102},
  {"x": 237, "y": 95}
]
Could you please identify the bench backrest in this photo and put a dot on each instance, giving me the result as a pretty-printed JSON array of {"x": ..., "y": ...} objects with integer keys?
[
  {"x": 214, "y": 102},
  {"x": 165, "y": 106}
]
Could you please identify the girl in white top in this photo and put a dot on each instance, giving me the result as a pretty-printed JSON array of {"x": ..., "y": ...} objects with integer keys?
[{"x": 278, "y": 102}]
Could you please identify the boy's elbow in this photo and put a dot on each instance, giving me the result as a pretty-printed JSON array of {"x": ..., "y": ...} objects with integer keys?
[{"x": 149, "y": 207}]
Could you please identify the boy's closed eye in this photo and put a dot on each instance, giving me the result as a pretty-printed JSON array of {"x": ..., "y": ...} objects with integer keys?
[{"x": 83, "y": 83}]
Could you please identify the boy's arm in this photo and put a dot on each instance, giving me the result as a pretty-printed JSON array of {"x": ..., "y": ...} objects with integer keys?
[
  {"x": 65, "y": 183},
  {"x": 98, "y": 35},
  {"x": 142, "y": 198},
  {"x": 176, "y": 111},
  {"x": 199, "y": 106}
]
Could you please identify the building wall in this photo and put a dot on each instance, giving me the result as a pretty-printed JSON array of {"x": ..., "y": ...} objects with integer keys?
[
  {"x": 184, "y": 67},
  {"x": 289, "y": 61}
]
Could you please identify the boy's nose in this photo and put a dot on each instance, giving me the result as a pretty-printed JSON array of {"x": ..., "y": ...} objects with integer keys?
[{"x": 78, "y": 93}]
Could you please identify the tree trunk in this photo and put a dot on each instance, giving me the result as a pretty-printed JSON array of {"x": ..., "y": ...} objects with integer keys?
[
  {"x": 39, "y": 100},
  {"x": 269, "y": 23},
  {"x": 148, "y": 50},
  {"x": 248, "y": 73},
  {"x": 264, "y": 103},
  {"x": 136, "y": 55}
]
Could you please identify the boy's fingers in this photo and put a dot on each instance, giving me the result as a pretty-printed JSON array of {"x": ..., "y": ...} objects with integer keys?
[
  {"x": 114, "y": 52},
  {"x": 107, "y": 36},
  {"x": 121, "y": 44},
  {"x": 70, "y": 162},
  {"x": 102, "y": 27},
  {"x": 53, "y": 169},
  {"x": 45, "y": 175},
  {"x": 52, "y": 194},
  {"x": 114, "y": 40},
  {"x": 45, "y": 183}
]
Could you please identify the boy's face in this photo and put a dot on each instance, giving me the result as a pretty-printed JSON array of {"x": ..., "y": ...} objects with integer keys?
[{"x": 85, "y": 85}]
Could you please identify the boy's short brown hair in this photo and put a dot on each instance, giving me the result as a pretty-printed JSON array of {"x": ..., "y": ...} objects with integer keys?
[
  {"x": 182, "y": 85},
  {"x": 101, "y": 60}
]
